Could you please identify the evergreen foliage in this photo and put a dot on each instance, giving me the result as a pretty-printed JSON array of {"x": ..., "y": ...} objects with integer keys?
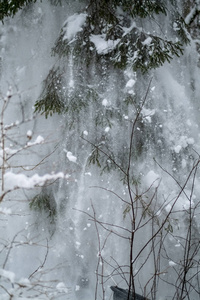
[
  {"x": 44, "y": 202},
  {"x": 79, "y": 92},
  {"x": 144, "y": 52},
  {"x": 142, "y": 8},
  {"x": 10, "y": 8},
  {"x": 107, "y": 38},
  {"x": 51, "y": 99},
  {"x": 116, "y": 24},
  {"x": 128, "y": 44},
  {"x": 81, "y": 98}
]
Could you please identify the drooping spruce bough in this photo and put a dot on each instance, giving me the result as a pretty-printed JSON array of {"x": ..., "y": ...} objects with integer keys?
[{"x": 116, "y": 44}]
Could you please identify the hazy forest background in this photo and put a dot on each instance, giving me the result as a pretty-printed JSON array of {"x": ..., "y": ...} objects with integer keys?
[{"x": 100, "y": 151}]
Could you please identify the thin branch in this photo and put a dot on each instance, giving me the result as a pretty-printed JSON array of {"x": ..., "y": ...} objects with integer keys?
[{"x": 43, "y": 263}]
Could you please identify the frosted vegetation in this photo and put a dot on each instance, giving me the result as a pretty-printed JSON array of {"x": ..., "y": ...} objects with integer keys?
[{"x": 99, "y": 136}]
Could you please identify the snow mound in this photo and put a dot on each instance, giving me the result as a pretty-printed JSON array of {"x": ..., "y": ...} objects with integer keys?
[{"x": 102, "y": 45}]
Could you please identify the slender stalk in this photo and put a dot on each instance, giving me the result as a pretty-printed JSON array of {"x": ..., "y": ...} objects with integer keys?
[
  {"x": 3, "y": 166},
  {"x": 128, "y": 175}
]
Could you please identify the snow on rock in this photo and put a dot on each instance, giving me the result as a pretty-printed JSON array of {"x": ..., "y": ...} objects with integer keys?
[
  {"x": 13, "y": 181},
  {"x": 73, "y": 25}
]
